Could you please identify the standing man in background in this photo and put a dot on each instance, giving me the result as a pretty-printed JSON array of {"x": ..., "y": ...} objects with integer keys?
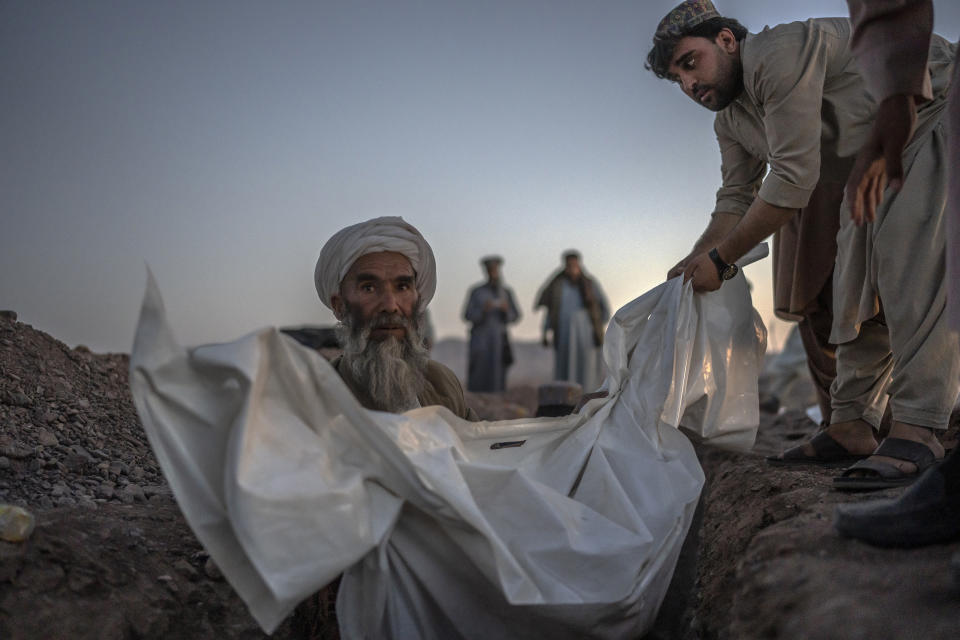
[
  {"x": 489, "y": 309},
  {"x": 577, "y": 314}
]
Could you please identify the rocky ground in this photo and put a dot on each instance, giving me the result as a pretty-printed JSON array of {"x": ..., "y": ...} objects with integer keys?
[{"x": 111, "y": 556}]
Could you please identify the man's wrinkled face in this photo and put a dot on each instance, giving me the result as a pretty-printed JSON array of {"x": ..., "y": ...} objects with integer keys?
[
  {"x": 709, "y": 71},
  {"x": 382, "y": 348},
  {"x": 379, "y": 292}
]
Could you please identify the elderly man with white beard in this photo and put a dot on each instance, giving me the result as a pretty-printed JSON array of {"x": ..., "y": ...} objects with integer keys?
[{"x": 378, "y": 277}]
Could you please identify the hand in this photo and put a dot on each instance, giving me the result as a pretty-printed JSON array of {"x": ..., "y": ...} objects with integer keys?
[
  {"x": 880, "y": 160},
  {"x": 679, "y": 268},
  {"x": 703, "y": 273}
]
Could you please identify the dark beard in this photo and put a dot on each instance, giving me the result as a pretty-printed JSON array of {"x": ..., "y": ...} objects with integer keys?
[
  {"x": 729, "y": 83},
  {"x": 389, "y": 373}
]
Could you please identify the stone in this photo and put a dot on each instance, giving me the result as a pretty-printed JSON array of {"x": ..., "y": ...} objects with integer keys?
[
  {"x": 20, "y": 399},
  {"x": 106, "y": 490},
  {"x": 133, "y": 490},
  {"x": 75, "y": 462},
  {"x": 185, "y": 568},
  {"x": 80, "y": 451},
  {"x": 14, "y": 448},
  {"x": 211, "y": 570},
  {"x": 8, "y": 315},
  {"x": 16, "y": 523},
  {"x": 46, "y": 438}
]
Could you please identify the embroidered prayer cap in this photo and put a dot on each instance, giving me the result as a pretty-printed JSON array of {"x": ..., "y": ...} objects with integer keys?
[
  {"x": 570, "y": 253},
  {"x": 683, "y": 17},
  {"x": 491, "y": 259},
  {"x": 388, "y": 233}
]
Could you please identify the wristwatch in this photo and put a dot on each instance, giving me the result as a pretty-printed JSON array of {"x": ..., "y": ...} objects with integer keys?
[{"x": 724, "y": 270}]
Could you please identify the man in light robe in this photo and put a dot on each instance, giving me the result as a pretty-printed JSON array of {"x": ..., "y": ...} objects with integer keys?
[
  {"x": 891, "y": 41},
  {"x": 789, "y": 99},
  {"x": 489, "y": 309},
  {"x": 577, "y": 314},
  {"x": 378, "y": 277}
]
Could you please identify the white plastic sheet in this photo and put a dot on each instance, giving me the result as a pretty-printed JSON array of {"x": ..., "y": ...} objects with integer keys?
[{"x": 288, "y": 482}]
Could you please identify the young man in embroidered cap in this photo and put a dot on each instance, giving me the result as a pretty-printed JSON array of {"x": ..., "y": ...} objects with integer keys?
[
  {"x": 792, "y": 99},
  {"x": 378, "y": 277},
  {"x": 489, "y": 309}
]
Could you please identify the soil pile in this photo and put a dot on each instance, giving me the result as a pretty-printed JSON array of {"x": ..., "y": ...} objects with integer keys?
[{"x": 111, "y": 557}]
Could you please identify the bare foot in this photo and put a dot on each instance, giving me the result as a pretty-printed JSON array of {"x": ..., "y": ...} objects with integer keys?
[{"x": 856, "y": 436}]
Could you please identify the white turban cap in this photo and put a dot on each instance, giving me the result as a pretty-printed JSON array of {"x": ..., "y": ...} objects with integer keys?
[{"x": 389, "y": 233}]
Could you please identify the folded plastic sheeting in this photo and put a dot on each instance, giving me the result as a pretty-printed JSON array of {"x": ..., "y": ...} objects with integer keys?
[{"x": 287, "y": 481}]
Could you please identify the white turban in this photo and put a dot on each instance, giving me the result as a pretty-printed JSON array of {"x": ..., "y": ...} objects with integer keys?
[{"x": 390, "y": 233}]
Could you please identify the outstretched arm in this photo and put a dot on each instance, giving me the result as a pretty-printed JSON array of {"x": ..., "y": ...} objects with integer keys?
[{"x": 761, "y": 219}]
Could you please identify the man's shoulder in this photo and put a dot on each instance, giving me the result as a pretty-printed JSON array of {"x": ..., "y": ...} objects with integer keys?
[
  {"x": 757, "y": 47},
  {"x": 441, "y": 373},
  {"x": 543, "y": 295},
  {"x": 777, "y": 58}
]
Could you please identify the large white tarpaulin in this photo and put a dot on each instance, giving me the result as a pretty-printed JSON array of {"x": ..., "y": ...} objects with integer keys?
[{"x": 288, "y": 482}]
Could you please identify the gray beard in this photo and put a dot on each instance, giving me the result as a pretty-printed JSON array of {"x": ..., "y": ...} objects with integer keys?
[{"x": 389, "y": 373}]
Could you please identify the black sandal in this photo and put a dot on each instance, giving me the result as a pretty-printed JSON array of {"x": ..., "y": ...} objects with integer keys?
[{"x": 883, "y": 474}]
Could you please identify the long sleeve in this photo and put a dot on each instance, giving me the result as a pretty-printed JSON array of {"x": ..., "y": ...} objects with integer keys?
[{"x": 741, "y": 171}]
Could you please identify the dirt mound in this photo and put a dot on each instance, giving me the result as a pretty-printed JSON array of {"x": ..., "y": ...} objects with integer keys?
[{"x": 111, "y": 556}]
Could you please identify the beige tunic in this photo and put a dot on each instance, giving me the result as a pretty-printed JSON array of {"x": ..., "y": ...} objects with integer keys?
[
  {"x": 857, "y": 296},
  {"x": 803, "y": 114}
]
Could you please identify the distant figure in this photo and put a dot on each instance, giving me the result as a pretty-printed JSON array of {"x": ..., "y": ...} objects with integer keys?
[
  {"x": 577, "y": 313},
  {"x": 489, "y": 308}
]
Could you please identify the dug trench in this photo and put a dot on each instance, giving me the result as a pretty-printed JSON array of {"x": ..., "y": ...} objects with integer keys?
[{"x": 112, "y": 558}]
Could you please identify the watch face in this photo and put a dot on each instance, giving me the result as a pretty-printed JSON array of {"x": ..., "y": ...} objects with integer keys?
[{"x": 730, "y": 271}]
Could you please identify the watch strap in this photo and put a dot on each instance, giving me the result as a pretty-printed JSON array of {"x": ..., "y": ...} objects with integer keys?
[{"x": 718, "y": 262}]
